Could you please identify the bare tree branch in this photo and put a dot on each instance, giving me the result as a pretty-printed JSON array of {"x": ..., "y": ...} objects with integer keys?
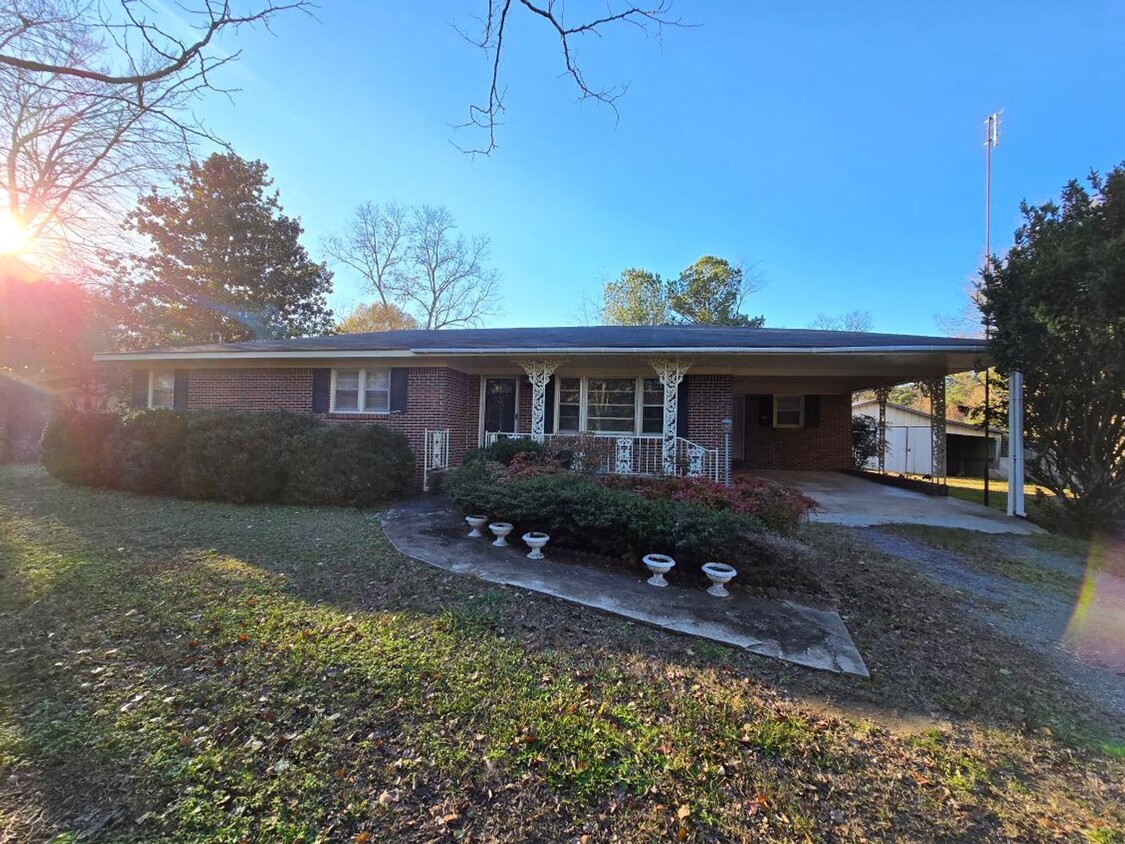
[{"x": 486, "y": 116}]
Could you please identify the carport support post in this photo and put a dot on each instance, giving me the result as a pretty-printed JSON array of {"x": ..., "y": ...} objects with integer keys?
[
  {"x": 539, "y": 372},
  {"x": 671, "y": 373},
  {"x": 881, "y": 394},
  {"x": 935, "y": 389},
  {"x": 1015, "y": 444}
]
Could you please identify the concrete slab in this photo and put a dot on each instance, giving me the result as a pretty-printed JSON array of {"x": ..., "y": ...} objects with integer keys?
[
  {"x": 856, "y": 502},
  {"x": 430, "y": 530}
]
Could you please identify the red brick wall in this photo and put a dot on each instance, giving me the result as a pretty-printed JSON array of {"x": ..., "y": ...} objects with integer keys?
[
  {"x": 827, "y": 446},
  {"x": 251, "y": 389},
  {"x": 709, "y": 403}
]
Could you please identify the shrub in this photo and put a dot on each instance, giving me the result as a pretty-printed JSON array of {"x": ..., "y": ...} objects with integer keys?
[
  {"x": 74, "y": 444},
  {"x": 240, "y": 457},
  {"x": 502, "y": 451},
  {"x": 778, "y": 507},
  {"x": 143, "y": 453},
  {"x": 865, "y": 440},
  {"x": 348, "y": 465},
  {"x": 581, "y": 512}
]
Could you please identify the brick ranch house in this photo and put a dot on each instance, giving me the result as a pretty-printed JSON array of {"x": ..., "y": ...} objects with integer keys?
[{"x": 654, "y": 398}]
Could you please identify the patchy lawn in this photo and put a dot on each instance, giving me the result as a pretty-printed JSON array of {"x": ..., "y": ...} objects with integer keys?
[{"x": 188, "y": 671}]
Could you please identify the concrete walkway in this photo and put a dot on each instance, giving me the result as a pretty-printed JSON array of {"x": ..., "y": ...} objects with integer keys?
[
  {"x": 431, "y": 531},
  {"x": 856, "y": 502}
]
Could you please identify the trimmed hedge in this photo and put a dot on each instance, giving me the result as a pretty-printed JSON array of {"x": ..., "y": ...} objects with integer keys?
[
  {"x": 503, "y": 451},
  {"x": 230, "y": 456},
  {"x": 348, "y": 466},
  {"x": 581, "y": 512}
]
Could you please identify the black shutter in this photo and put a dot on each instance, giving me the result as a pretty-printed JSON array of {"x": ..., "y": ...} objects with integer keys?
[
  {"x": 322, "y": 386},
  {"x": 812, "y": 411},
  {"x": 549, "y": 412},
  {"x": 683, "y": 400},
  {"x": 765, "y": 410},
  {"x": 399, "y": 379},
  {"x": 140, "y": 388},
  {"x": 180, "y": 391}
]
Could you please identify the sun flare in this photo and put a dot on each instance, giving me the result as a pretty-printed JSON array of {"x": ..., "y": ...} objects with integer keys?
[{"x": 13, "y": 235}]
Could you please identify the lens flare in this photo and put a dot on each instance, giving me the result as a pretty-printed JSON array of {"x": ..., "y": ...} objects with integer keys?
[
  {"x": 1096, "y": 631},
  {"x": 13, "y": 235}
]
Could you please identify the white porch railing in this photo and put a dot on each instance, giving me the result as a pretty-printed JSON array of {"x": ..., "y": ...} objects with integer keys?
[
  {"x": 436, "y": 456},
  {"x": 624, "y": 454}
]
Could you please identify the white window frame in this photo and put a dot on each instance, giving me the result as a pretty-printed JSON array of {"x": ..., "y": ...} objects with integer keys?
[
  {"x": 584, "y": 405},
  {"x": 362, "y": 400},
  {"x": 152, "y": 374},
  {"x": 800, "y": 409}
]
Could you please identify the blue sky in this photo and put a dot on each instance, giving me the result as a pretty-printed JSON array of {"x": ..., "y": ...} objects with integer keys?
[{"x": 835, "y": 146}]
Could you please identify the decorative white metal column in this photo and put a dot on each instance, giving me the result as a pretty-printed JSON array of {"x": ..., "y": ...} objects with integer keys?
[
  {"x": 671, "y": 372},
  {"x": 881, "y": 394},
  {"x": 935, "y": 390},
  {"x": 1015, "y": 444},
  {"x": 539, "y": 372}
]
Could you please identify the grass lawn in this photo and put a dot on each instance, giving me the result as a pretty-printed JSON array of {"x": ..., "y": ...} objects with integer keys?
[
  {"x": 185, "y": 671},
  {"x": 972, "y": 489}
]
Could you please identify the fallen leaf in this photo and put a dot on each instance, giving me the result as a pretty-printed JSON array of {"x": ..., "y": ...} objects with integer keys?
[{"x": 683, "y": 812}]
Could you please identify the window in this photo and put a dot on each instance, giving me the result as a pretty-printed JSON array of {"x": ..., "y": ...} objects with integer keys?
[
  {"x": 570, "y": 404},
  {"x": 361, "y": 391},
  {"x": 652, "y": 407},
  {"x": 162, "y": 389},
  {"x": 611, "y": 405},
  {"x": 788, "y": 411}
]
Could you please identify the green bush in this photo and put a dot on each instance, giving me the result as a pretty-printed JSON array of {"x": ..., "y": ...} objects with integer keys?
[
  {"x": 230, "y": 456},
  {"x": 580, "y": 512},
  {"x": 143, "y": 453},
  {"x": 73, "y": 447},
  {"x": 502, "y": 451},
  {"x": 240, "y": 457},
  {"x": 348, "y": 465}
]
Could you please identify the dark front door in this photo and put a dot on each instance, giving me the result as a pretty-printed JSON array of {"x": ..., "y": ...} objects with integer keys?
[{"x": 500, "y": 404}]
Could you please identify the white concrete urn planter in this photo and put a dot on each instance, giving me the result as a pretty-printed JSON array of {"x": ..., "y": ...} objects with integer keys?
[
  {"x": 476, "y": 523},
  {"x": 720, "y": 574},
  {"x": 535, "y": 541},
  {"x": 500, "y": 530},
  {"x": 659, "y": 565}
]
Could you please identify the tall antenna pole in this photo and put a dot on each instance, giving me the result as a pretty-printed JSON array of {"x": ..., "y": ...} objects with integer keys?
[{"x": 991, "y": 138}]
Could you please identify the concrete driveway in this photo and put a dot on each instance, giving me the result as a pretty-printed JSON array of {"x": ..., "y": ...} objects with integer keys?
[{"x": 848, "y": 500}]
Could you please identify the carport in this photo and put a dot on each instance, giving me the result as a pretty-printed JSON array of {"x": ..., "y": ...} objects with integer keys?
[{"x": 844, "y": 499}]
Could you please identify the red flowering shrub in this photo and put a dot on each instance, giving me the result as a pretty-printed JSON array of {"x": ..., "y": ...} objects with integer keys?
[
  {"x": 532, "y": 464},
  {"x": 780, "y": 508}
]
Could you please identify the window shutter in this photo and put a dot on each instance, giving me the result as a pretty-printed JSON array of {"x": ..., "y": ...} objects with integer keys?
[
  {"x": 765, "y": 410},
  {"x": 140, "y": 388},
  {"x": 322, "y": 385},
  {"x": 549, "y": 411},
  {"x": 812, "y": 411},
  {"x": 399, "y": 379},
  {"x": 683, "y": 401},
  {"x": 180, "y": 392}
]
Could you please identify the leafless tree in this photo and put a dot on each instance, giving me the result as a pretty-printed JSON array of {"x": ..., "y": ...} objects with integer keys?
[
  {"x": 858, "y": 321},
  {"x": 372, "y": 245},
  {"x": 494, "y": 24},
  {"x": 416, "y": 259},
  {"x": 95, "y": 100}
]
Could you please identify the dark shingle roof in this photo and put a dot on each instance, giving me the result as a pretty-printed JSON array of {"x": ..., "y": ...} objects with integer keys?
[{"x": 608, "y": 337}]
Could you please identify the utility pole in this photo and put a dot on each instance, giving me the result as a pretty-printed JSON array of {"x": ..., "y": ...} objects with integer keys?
[{"x": 991, "y": 139}]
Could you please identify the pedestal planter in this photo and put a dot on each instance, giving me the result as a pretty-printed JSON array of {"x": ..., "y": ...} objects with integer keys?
[
  {"x": 535, "y": 541},
  {"x": 720, "y": 574},
  {"x": 500, "y": 530},
  {"x": 659, "y": 565},
  {"x": 476, "y": 523}
]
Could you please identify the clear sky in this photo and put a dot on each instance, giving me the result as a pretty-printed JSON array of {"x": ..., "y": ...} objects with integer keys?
[{"x": 837, "y": 146}]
